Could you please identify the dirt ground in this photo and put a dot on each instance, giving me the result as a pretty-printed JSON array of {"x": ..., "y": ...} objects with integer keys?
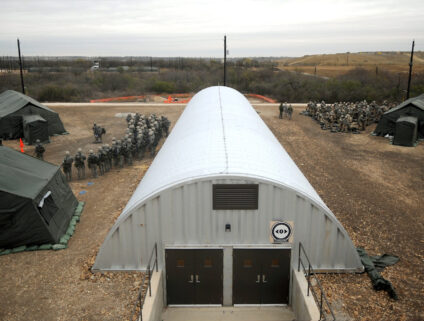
[{"x": 375, "y": 189}]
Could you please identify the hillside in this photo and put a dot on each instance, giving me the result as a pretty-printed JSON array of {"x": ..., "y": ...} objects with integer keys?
[{"x": 331, "y": 65}]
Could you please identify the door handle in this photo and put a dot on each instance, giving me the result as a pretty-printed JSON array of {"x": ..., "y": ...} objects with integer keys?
[
  {"x": 258, "y": 280},
  {"x": 263, "y": 279},
  {"x": 191, "y": 279},
  {"x": 197, "y": 279}
]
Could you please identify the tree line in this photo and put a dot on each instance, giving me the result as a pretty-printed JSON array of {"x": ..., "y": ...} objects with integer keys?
[{"x": 72, "y": 80}]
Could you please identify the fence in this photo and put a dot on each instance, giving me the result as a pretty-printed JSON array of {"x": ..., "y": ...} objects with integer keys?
[
  {"x": 320, "y": 298},
  {"x": 267, "y": 99},
  {"x": 141, "y": 294},
  {"x": 114, "y": 99}
]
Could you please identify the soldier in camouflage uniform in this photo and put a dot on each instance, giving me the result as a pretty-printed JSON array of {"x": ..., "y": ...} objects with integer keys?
[
  {"x": 345, "y": 122},
  {"x": 128, "y": 118},
  {"x": 80, "y": 163},
  {"x": 119, "y": 154},
  {"x": 109, "y": 157},
  {"x": 342, "y": 122},
  {"x": 158, "y": 130},
  {"x": 290, "y": 111},
  {"x": 102, "y": 160},
  {"x": 96, "y": 133},
  {"x": 348, "y": 122},
  {"x": 140, "y": 145},
  {"x": 146, "y": 140},
  {"x": 92, "y": 162},
  {"x": 67, "y": 166},
  {"x": 115, "y": 153},
  {"x": 106, "y": 162},
  {"x": 125, "y": 150},
  {"x": 280, "y": 108},
  {"x": 39, "y": 149},
  {"x": 131, "y": 130},
  {"x": 361, "y": 121},
  {"x": 137, "y": 117},
  {"x": 325, "y": 121},
  {"x": 132, "y": 145},
  {"x": 165, "y": 125},
  {"x": 331, "y": 120},
  {"x": 152, "y": 145},
  {"x": 130, "y": 151}
]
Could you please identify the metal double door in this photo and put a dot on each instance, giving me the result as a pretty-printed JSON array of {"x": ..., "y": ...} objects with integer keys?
[
  {"x": 194, "y": 276},
  {"x": 261, "y": 276}
]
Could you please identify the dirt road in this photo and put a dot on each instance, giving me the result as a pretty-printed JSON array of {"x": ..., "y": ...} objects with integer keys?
[{"x": 375, "y": 189}]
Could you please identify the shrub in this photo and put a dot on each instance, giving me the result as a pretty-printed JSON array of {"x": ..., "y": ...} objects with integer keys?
[
  {"x": 56, "y": 93},
  {"x": 160, "y": 86}
]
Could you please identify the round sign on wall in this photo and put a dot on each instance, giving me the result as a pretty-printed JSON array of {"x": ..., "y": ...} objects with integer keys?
[{"x": 281, "y": 231}]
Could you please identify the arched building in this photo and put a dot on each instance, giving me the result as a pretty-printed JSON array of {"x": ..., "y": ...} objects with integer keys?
[{"x": 219, "y": 200}]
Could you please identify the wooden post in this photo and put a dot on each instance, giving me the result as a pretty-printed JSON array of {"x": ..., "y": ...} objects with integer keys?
[
  {"x": 225, "y": 60},
  {"x": 410, "y": 70},
  {"x": 20, "y": 67}
]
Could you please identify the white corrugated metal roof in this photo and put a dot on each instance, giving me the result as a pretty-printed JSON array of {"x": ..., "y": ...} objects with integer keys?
[{"x": 219, "y": 133}]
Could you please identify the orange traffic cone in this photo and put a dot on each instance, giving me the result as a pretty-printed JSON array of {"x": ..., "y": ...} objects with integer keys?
[{"x": 21, "y": 143}]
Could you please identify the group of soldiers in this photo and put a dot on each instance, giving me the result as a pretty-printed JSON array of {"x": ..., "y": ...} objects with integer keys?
[
  {"x": 142, "y": 135},
  {"x": 285, "y": 109},
  {"x": 346, "y": 116}
]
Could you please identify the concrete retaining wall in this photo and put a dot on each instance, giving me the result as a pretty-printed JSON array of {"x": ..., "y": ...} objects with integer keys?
[
  {"x": 153, "y": 305},
  {"x": 304, "y": 307}
]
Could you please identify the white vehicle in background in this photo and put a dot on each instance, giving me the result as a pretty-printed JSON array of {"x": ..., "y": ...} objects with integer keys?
[{"x": 96, "y": 65}]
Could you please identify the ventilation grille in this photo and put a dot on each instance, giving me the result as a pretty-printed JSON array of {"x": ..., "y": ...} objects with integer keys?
[{"x": 235, "y": 196}]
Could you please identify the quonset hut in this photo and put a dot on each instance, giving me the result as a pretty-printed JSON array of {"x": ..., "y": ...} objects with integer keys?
[{"x": 224, "y": 201}]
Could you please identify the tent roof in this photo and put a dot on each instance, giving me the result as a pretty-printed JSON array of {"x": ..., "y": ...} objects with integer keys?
[
  {"x": 11, "y": 101},
  {"x": 23, "y": 175},
  {"x": 415, "y": 101},
  {"x": 32, "y": 118},
  {"x": 408, "y": 119}
]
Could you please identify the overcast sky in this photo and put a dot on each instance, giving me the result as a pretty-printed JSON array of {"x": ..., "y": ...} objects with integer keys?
[{"x": 196, "y": 28}]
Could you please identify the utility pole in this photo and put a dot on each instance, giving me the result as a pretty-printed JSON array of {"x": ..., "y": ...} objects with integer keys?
[
  {"x": 20, "y": 67},
  {"x": 225, "y": 60},
  {"x": 410, "y": 69}
]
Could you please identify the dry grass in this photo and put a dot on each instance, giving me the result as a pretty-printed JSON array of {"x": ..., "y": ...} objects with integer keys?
[{"x": 338, "y": 64}]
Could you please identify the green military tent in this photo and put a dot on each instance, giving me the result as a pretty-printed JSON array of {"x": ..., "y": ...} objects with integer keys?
[
  {"x": 14, "y": 105},
  {"x": 413, "y": 107},
  {"x": 36, "y": 202},
  {"x": 35, "y": 127}
]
